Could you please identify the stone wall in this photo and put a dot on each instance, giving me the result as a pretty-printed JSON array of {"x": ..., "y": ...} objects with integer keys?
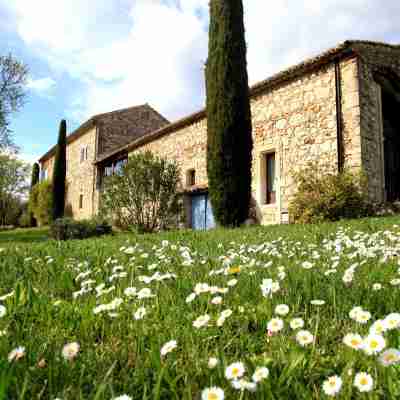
[
  {"x": 374, "y": 59},
  {"x": 296, "y": 120},
  {"x": 80, "y": 176}
]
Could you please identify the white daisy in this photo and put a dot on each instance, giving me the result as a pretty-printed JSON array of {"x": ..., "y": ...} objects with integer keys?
[
  {"x": 296, "y": 323},
  {"x": 304, "y": 338},
  {"x": 3, "y": 311},
  {"x": 390, "y": 357},
  {"x": 201, "y": 321},
  {"x": 374, "y": 344},
  {"x": 275, "y": 325},
  {"x": 212, "y": 362},
  {"x": 353, "y": 340},
  {"x": 216, "y": 300},
  {"x": 260, "y": 374},
  {"x": 212, "y": 393},
  {"x": 282, "y": 309},
  {"x": 70, "y": 351},
  {"x": 16, "y": 354},
  {"x": 235, "y": 370},
  {"x": 140, "y": 313},
  {"x": 363, "y": 382},
  {"x": 332, "y": 385},
  {"x": 168, "y": 347}
]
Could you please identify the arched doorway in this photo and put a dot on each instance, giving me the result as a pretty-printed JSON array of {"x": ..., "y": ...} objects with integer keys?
[{"x": 390, "y": 101}]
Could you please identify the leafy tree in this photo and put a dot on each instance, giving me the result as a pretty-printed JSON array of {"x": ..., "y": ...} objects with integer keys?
[
  {"x": 229, "y": 136},
  {"x": 59, "y": 172},
  {"x": 13, "y": 78},
  {"x": 13, "y": 177},
  {"x": 144, "y": 196},
  {"x": 41, "y": 202},
  {"x": 34, "y": 181}
]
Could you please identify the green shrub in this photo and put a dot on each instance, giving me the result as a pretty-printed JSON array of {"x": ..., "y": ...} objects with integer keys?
[
  {"x": 328, "y": 196},
  {"x": 41, "y": 202},
  {"x": 67, "y": 228},
  {"x": 144, "y": 197}
]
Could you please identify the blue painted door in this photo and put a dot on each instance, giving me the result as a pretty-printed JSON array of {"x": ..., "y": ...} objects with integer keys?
[{"x": 202, "y": 215}]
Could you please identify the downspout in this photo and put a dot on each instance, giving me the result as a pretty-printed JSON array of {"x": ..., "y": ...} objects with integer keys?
[
  {"x": 94, "y": 188},
  {"x": 339, "y": 120}
]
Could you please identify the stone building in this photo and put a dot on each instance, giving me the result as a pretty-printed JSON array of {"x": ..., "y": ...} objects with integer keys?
[{"x": 337, "y": 108}]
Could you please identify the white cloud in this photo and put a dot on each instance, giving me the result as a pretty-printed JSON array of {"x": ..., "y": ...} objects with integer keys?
[
  {"x": 42, "y": 86},
  {"x": 127, "y": 52}
]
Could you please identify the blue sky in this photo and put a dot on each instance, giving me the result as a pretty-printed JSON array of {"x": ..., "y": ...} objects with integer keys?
[{"x": 87, "y": 57}]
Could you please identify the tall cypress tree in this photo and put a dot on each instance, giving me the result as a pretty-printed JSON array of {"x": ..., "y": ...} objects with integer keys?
[
  {"x": 34, "y": 181},
  {"x": 59, "y": 171},
  {"x": 229, "y": 138}
]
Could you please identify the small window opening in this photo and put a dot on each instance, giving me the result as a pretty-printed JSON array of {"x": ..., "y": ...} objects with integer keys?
[
  {"x": 270, "y": 194},
  {"x": 191, "y": 177},
  {"x": 81, "y": 201}
]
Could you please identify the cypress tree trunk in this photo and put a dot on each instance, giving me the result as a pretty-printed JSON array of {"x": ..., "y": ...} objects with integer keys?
[
  {"x": 59, "y": 171},
  {"x": 229, "y": 138},
  {"x": 34, "y": 181}
]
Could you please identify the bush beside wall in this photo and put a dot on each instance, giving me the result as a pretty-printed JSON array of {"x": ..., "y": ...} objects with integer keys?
[
  {"x": 323, "y": 195},
  {"x": 67, "y": 228}
]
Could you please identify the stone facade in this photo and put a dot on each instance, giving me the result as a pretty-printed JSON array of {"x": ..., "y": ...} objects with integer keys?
[
  {"x": 374, "y": 61},
  {"x": 325, "y": 109},
  {"x": 97, "y": 136}
]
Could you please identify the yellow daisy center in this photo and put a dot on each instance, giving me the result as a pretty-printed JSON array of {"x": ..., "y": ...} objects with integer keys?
[{"x": 212, "y": 396}]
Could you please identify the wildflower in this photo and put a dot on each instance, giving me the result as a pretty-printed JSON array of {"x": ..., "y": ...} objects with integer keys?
[
  {"x": 392, "y": 321},
  {"x": 378, "y": 327},
  {"x": 353, "y": 340},
  {"x": 140, "y": 313},
  {"x": 281, "y": 309},
  {"x": 16, "y": 354},
  {"x": 260, "y": 374},
  {"x": 221, "y": 320},
  {"x": 201, "y": 288},
  {"x": 70, "y": 351},
  {"x": 296, "y": 323},
  {"x": 130, "y": 291},
  {"x": 354, "y": 312},
  {"x": 212, "y": 362},
  {"x": 363, "y": 317},
  {"x": 317, "y": 302},
  {"x": 212, "y": 393},
  {"x": 332, "y": 385},
  {"x": 275, "y": 325},
  {"x": 307, "y": 265},
  {"x": 3, "y": 311},
  {"x": 243, "y": 384},
  {"x": 123, "y": 397},
  {"x": 395, "y": 282},
  {"x": 6, "y": 296},
  {"x": 216, "y": 300},
  {"x": 374, "y": 344},
  {"x": 191, "y": 297},
  {"x": 376, "y": 286},
  {"x": 389, "y": 357},
  {"x": 232, "y": 282},
  {"x": 201, "y": 321},
  {"x": 226, "y": 313},
  {"x": 235, "y": 370},
  {"x": 168, "y": 347},
  {"x": 363, "y": 382},
  {"x": 304, "y": 338},
  {"x": 234, "y": 270}
]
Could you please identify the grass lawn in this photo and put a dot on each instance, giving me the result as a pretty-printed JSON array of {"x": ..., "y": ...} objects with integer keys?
[
  {"x": 141, "y": 316},
  {"x": 25, "y": 235}
]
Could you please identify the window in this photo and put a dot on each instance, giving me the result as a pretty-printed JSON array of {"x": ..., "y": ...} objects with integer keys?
[
  {"x": 84, "y": 153},
  {"x": 270, "y": 197},
  {"x": 191, "y": 177},
  {"x": 81, "y": 201},
  {"x": 43, "y": 174}
]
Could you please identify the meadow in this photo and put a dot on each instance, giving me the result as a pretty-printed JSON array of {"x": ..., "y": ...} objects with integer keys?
[{"x": 284, "y": 312}]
